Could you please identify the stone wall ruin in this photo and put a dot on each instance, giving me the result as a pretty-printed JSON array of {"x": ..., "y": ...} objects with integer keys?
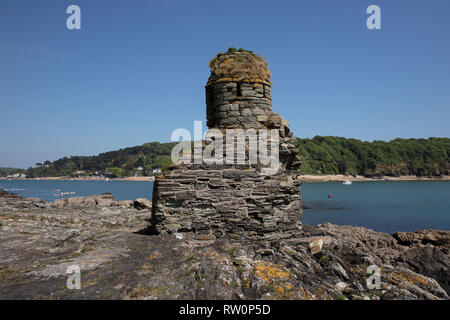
[{"x": 211, "y": 200}]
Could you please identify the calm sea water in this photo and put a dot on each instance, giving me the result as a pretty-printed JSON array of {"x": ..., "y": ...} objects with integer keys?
[
  {"x": 387, "y": 206},
  {"x": 48, "y": 190}
]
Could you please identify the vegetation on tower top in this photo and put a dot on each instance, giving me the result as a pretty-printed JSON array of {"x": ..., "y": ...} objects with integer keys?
[
  {"x": 231, "y": 49},
  {"x": 239, "y": 64}
]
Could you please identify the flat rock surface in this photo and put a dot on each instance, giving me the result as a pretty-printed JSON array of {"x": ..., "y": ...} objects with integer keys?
[{"x": 120, "y": 258}]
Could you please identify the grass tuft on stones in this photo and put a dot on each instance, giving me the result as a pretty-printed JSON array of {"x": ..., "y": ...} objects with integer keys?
[{"x": 239, "y": 64}]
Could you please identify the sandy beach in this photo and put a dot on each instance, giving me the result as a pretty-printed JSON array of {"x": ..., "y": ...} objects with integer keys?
[{"x": 341, "y": 177}]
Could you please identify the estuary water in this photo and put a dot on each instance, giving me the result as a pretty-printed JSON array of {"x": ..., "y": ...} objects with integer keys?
[
  {"x": 49, "y": 190},
  {"x": 386, "y": 206}
]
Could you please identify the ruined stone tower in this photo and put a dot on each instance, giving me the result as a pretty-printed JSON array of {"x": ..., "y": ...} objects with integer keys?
[
  {"x": 238, "y": 92},
  {"x": 240, "y": 199}
]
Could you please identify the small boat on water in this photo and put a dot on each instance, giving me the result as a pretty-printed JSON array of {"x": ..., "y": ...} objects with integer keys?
[
  {"x": 347, "y": 182},
  {"x": 67, "y": 193},
  {"x": 61, "y": 194}
]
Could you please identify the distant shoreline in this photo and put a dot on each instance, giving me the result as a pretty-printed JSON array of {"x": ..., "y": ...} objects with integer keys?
[
  {"x": 341, "y": 178},
  {"x": 151, "y": 178},
  {"x": 304, "y": 178}
]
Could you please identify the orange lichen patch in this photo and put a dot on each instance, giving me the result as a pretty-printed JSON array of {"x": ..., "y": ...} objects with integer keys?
[
  {"x": 284, "y": 292},
  {"x": 140, "y": 292},
  {"x": 384, "y": 286},
  {"x": 205, "y": 237},
  {"x": 155, "y": 255},
  {"x": 241, "y": 79},
  {"x": 257, "y": 81},
  {"x": 321, "y": 294},
  {"x": 288, "y": 251},
  {"x": 212, "y": 255},
  {"x": 304, "y": 294},
  {"x": 410, "y": 278},
  {"x": 271, "y": 272},
  {"x": 275, "y": 116},
  {"x": 280, "y": 290},
  {"x": 225, "y": 79}
]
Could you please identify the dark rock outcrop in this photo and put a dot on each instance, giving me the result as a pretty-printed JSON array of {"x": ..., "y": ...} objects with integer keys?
[
  {"x": 103, "y": 200},
  {"x": 142, "y": 203},
  {"x": 424, "y": 237},
  {"x": 425, "y": 252},
  {"x": 6, "y": 194}
]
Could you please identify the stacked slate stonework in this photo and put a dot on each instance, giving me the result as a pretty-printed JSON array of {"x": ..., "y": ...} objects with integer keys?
[{"x": 209, "y": 200}]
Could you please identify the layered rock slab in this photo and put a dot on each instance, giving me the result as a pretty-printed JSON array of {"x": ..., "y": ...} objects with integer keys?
[{"x": 213, "y": 201}]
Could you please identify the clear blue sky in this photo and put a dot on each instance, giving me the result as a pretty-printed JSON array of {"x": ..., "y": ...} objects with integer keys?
[{"x": 137, "y": 70}]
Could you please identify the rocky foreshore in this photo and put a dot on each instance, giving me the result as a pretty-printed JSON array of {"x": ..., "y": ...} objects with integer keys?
[{"x": 121, "y": 258}]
